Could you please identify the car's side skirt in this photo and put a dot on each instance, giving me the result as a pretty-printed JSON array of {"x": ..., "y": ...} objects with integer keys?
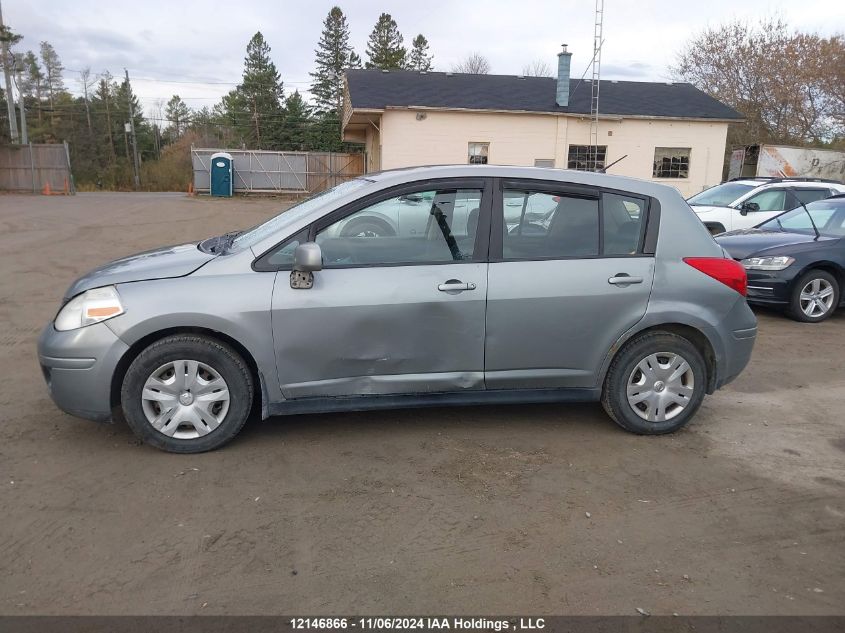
[{"x": 410, "y": 401}]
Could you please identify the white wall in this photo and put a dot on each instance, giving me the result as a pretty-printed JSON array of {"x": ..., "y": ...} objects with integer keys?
[{"x": 518, "y": 139}]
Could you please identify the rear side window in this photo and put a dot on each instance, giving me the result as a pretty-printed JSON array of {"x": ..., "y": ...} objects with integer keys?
[
  {"x": 543, "y": 225},
  {"x": 622, "y": 219},
  {"x": 810, "y": 195}
]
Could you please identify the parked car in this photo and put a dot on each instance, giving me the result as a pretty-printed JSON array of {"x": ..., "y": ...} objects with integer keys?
[
  {"x": 618, "y": 294},
  {"x": 745, "y": 202},
  {"x": 795, "y": 260}
]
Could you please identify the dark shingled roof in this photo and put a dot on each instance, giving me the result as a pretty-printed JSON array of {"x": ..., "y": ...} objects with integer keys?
[{"x": 375, "y": 89}]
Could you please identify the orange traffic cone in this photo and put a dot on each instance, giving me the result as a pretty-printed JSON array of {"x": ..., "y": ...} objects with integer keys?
[
  {"x": 46, "y": 191},
  {"x": 190, "y": 188},
  {"x": 67, "y": 188}
]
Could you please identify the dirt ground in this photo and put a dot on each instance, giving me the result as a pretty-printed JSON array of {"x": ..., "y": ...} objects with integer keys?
[{"x": 467, "y": 510}]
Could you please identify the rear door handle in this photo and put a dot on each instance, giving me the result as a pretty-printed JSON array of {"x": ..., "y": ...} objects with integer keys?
[
  {"x": 623, "y": 279},
  {"x": 453, "y": 285}
]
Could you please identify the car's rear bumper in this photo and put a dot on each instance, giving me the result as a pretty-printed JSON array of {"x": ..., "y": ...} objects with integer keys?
[
  {"x": 78, "y": 366},
  {"x": 736, "y": 336}
]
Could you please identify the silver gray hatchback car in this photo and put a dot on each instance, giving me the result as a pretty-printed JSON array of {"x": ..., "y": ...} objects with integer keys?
[{"x": 437, "y": 286}]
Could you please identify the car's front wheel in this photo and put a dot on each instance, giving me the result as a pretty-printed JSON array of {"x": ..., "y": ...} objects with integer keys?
[
  {"x": 815, "y": 296},
  {"x": 655, "y": 384},
  {"x": 187, "y": 394}
]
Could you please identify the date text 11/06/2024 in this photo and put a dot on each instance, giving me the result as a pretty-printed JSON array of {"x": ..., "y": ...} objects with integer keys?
[{"x": 418, "y": 624}]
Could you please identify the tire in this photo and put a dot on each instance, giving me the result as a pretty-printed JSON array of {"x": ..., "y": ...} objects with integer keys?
[
  {"x": 814, "y": 283},
  {"x": 367, "y": 227},
  {"x": 655, "y": 349},
  {"x": 218, "y": 382}
]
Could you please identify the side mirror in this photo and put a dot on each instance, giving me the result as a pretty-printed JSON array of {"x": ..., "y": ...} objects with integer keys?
[
  {"x": 748, "y": 206},
  {"x": 307, "y": 258}
]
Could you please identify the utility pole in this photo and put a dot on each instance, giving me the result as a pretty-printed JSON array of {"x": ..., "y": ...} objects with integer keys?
[
  {"x": 132, "y": 131},
  {"x": 24, "y": 132},
  {"x": 10, "y": 101}
]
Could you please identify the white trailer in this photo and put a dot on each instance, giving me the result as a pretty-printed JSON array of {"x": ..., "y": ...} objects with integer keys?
[{"x": 781, "y": 161}]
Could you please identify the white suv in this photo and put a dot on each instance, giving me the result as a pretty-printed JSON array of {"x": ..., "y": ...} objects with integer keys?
[{"x": 745, "y": 202}]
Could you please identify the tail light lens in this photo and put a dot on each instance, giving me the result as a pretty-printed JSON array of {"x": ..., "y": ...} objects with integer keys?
[{"x": 728, "y": 271}]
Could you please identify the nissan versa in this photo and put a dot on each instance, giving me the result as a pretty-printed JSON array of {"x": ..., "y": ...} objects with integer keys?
[{"x": 424, "y": 286}]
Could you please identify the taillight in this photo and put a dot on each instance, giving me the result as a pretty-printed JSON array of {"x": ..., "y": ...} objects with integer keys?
[{"x": 729, "y": 272}]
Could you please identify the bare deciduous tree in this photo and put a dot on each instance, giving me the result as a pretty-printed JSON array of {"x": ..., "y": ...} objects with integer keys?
[
  {"x": 787, "y": 84},
  {"x": 537, "y": 68},
  {"x": 473, "y": 64}
]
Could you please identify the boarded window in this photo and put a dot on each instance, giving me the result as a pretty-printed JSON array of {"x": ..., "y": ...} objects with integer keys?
[
  {"x": 587, "y": 157},
  {"x": 478, "y": 153},
  {"x": 671, "y": 162}
]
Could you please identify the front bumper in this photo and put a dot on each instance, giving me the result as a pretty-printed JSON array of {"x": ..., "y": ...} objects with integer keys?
[
  {"x": 78, "y": 366},
  {"x": 768, "y": 288}
]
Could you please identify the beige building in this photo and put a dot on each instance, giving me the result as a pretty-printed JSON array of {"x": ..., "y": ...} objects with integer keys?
[{"x": 671, "y": 133}]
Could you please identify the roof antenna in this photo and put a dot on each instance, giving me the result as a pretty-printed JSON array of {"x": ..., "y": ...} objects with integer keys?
[
  {"x": 604, "y": 169},
  {"x": 807, "y": 211}
]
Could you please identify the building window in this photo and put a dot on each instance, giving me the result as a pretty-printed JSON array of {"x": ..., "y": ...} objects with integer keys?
[
  {"x": 544, "y": 162},
  {"x": 586, "y": 157},
  {"x": 478, "y": 153},
  {"x": 671, "y": 162}
]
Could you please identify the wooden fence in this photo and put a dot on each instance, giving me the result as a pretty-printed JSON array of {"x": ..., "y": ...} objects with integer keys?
[
  {"x": 32, "y": 167},
  {"x": 279, "y": 172}
]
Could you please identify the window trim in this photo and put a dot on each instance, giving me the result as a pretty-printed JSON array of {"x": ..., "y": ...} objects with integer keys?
[
  {"x": 588, "y": 170},
  {"x": 649, "y": 227},
  {"x": 486, "y": 162},
  {"x": 672, "y": 178},
  {"x": 262, "y": 264}
]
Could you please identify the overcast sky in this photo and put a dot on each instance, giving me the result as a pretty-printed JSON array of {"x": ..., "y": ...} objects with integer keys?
[{"x": 166, "y": 42}]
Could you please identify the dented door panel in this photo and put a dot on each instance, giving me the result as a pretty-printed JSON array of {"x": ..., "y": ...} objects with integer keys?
[{"x": 381, "y": 330}]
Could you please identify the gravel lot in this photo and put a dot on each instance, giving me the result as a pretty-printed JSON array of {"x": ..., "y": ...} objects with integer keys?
[{"x": 470, "y": 510}]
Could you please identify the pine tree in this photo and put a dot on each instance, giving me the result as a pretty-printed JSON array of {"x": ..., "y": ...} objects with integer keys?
[
  {"x": 294, "y": 135},
  {"x": 384, "y": 48},
  {"x": 334, "y": 55},
  {"x": 255, "y": 106},
  {"x": 52, "y": 75},
  {"x": 33, "y": 79},
  {"x": 177, "y": 114},
  {"x": 420, "y": 57}
]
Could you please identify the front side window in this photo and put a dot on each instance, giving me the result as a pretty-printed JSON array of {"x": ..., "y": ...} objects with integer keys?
[
  {"x": 586, "y": 157},
  {"x": 434, "y": 226},
  {"x": 770, "y": 200},
  {"x": 478, "y": 153},
  {"x": 671, "y": 162}
]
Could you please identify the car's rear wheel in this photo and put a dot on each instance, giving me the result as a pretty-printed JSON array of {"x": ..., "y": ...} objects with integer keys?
[
  {"x": 655, "y": 384},
  {"x": 187, "y": 394},
  {"x": 815, "y": 296}
]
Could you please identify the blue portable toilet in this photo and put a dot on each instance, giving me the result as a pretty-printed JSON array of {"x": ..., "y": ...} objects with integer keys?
[{"x": 221, "y": 174}]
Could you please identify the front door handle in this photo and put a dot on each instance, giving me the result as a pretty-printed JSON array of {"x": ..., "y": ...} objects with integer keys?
[
  {"x": 455, "y": 285},
  {"x": 624, "y": 279}
]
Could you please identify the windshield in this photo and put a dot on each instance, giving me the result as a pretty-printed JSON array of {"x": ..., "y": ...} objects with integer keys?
[
  {"x": 828, "y": 216},
  {"x": 256, "y": 234},
  {"x": 720, "y": 195}
]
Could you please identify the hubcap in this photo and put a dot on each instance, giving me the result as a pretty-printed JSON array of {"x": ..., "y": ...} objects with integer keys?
[
  {"x": 816, "y": 298},
  {"x": 185, "y": 399},
  {"x": 660, "y": 386}
]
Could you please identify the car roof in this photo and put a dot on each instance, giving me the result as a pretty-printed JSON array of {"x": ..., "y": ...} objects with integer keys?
[
  {"x": 786, "y": 182},
  {"x": 623, "y": 183}
]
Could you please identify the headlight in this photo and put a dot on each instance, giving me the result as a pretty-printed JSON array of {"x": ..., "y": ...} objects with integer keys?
[
  {"x": 767, "y": 263},
  {"x": 88, "y": 308}
]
